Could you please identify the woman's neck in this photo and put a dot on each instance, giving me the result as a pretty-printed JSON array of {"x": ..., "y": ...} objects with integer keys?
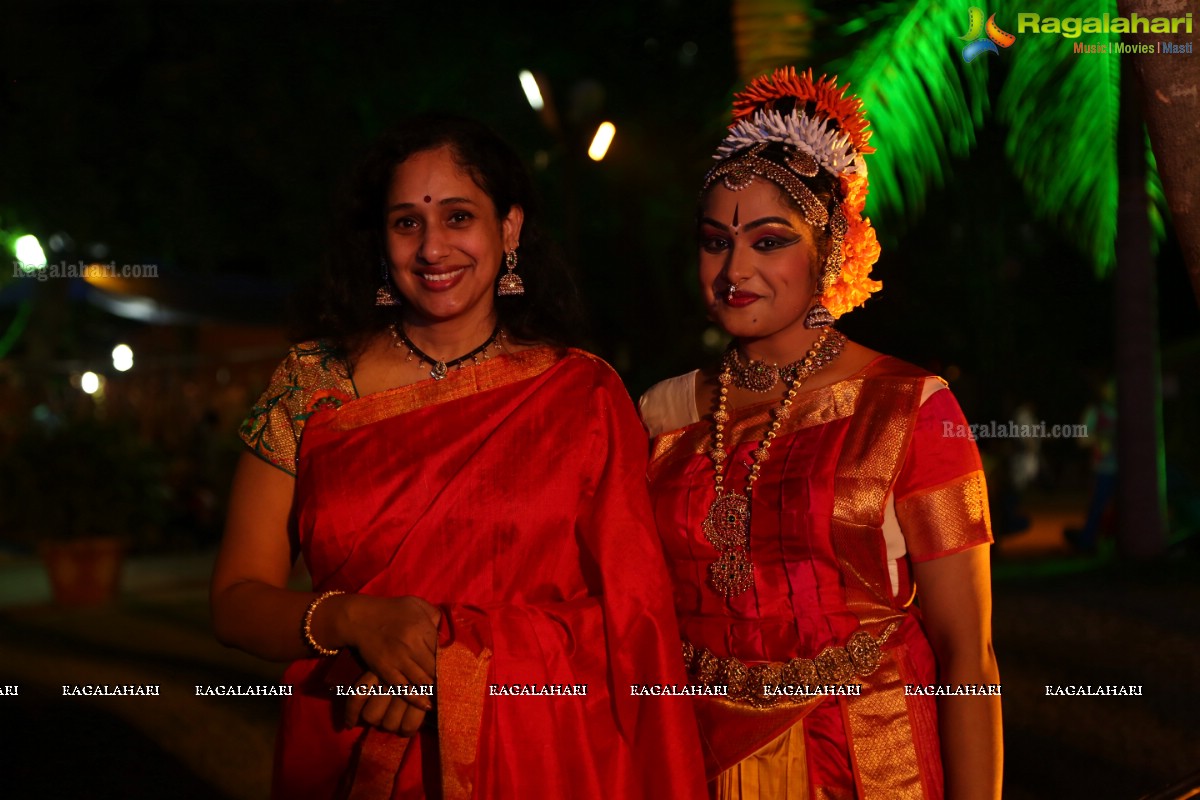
[
  {"x": 450, "y": 339},
  {"x": 781, "y": 348}
]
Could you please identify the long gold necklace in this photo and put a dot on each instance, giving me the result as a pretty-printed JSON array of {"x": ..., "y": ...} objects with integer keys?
[{"x": 727, "y": 525}]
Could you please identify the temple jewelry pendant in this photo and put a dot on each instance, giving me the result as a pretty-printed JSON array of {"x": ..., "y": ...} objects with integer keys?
[
  {"x": 732, "y": 573},
  {"x": 439, "y": 371},
  {"x": 727, "y": 527},
  {"x": 728, "y": 522}
]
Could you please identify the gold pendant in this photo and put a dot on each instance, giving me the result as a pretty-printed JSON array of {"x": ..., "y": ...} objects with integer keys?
[
  {"x": 727, "y": 526},
  {"x": 728, "y": 522},
  {"x": 732, "y": 573}
]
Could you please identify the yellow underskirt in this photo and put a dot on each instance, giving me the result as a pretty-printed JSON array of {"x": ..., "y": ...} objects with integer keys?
[{"x": 777, "y": 771}]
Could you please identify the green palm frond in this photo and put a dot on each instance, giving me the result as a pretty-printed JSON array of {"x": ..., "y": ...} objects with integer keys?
[
  {"x": 770, "y": 33},
  {"x": 1062, "y": 108},
  {"x": 1157, "y": 197},
  {"x": 923, "y": 102}
]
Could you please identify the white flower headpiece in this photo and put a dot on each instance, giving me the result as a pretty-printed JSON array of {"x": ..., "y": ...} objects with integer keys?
[{"x": 831, "y": 148}]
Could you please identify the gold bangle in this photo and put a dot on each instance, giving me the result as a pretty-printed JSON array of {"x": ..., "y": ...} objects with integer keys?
[{"x": 307, "y": 627}]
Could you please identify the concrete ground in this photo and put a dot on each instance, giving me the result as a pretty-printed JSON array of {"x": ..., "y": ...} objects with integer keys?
[
  {"x": 1059, "y": 619},
  {"x": 175, "y": 745}
]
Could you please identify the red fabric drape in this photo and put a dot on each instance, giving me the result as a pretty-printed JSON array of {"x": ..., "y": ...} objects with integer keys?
[{"x": 513, "y": 496}]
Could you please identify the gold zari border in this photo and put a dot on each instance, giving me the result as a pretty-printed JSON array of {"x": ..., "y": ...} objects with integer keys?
[
  {"x": 833, "y": 666},
  {"x": 491, "y": 374},
  {"x": 946, "y": 519}
]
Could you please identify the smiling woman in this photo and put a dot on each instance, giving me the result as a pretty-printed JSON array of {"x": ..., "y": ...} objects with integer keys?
[
  {"x": 805, "y": 492},
  {"x": 445, "y": 248},
  {"x": 469, "y": 497}
]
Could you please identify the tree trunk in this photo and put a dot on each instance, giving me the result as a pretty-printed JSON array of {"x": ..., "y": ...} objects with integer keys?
[
  {"x": 1141, "y": 532},
  {"x": 1172, "y": 111}
]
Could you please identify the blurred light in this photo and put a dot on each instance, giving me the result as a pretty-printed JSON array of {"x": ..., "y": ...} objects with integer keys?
[
  {"x": 60, "y": 242},
  {"x": 122, "y": 357},
  {"x": 953, "y": 373},
  {"x": 541, "y": 159},
  {"x": 713, "y": 338},
  {"x": 532, "y": 93},
  {"x": 687, "y": 53},
  {"x": 29, "y": 253},
  {"x": 601, "y": 141},
  {"x": 98, "y": 250},
  {"x": 90, "y": 382}
]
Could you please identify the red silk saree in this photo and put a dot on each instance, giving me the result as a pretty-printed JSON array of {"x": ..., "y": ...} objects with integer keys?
[
  {"x": 862, "y": 481},
  {"x": 513, "y": 496}
]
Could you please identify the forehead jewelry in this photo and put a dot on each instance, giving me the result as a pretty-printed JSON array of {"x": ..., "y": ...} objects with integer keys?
[
  {"x": 727, "y": 525},
  {"x": 428, "y": 199}
]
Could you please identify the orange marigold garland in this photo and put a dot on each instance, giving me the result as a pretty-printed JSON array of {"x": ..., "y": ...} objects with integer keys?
[{"x": 839, "y": 149}]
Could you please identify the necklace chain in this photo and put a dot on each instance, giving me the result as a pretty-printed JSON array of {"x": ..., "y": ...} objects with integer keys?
[
  {"x": 727, "y": 525},
  {"x": 438, "y": 368},
  {"x": 759, "y": 376}
]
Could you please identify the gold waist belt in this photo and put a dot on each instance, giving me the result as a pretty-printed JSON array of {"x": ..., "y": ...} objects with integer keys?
[{"x": 833, "y": 666}]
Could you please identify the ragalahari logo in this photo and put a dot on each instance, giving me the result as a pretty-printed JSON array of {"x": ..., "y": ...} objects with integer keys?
[{"x": 978, "y": 45}]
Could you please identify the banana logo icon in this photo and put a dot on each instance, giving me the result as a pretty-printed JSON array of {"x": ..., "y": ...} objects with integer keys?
[{"x": 975, "y": 18}]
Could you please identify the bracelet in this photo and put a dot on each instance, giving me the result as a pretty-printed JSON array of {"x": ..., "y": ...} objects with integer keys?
[{"x": 307, "y": 627}]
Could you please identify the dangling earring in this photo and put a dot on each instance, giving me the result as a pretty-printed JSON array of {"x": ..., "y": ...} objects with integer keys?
[
  {"x": 385, "y": 295},
  {"x": 510, "y": 284},
  {"x": 818, "y": 317}
]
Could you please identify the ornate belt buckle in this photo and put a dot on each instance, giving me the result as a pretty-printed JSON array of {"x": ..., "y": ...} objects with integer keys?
[
  {"x": 800, "y": 672},
  {"x": 705, "y": 667},
  {"x": 761, "y": 679},
  {"x": 864, "y": 652},
  {"x": 734, "y": 674},
  {"x": 834, "y": 666}
]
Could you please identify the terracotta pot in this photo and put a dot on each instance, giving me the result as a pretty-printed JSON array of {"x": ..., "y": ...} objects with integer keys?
[{"x": 84, "y": 572}]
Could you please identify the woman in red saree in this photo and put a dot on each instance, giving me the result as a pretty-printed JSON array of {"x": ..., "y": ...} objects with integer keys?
[
  {"x": 808, "y": 487},
  {"x": 470, "y": 501}
]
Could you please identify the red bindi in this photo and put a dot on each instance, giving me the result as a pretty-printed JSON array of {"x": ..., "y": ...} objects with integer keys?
[{"x": 428, "y": 199}]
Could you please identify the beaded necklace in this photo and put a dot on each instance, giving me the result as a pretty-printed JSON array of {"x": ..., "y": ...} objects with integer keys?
[{"x": 727, "y": 524}]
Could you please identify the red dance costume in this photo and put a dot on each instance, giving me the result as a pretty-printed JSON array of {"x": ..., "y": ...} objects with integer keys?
[{"x": 861, "y": 482}]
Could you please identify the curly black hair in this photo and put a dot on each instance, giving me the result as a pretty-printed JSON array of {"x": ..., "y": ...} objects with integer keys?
[{"x": 341, "y": 307}]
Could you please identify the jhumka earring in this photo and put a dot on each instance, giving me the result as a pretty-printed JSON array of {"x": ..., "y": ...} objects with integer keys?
[
  {"x": 818, "y": 317},
  {"x": 385, "y": 295},
  {"x": 510, "y": 284}
]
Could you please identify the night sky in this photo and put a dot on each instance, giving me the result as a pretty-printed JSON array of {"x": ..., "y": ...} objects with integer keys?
[{"x": 210, "y": 139}]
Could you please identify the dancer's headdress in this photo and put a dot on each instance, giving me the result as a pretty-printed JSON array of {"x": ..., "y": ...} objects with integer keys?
[{"x": 818, "y": 128}]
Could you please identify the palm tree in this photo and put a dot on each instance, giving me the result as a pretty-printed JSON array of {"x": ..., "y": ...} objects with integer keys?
[
  {"x": 1063, "y": 113},
  {"x": 1171, "y": 111}
]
